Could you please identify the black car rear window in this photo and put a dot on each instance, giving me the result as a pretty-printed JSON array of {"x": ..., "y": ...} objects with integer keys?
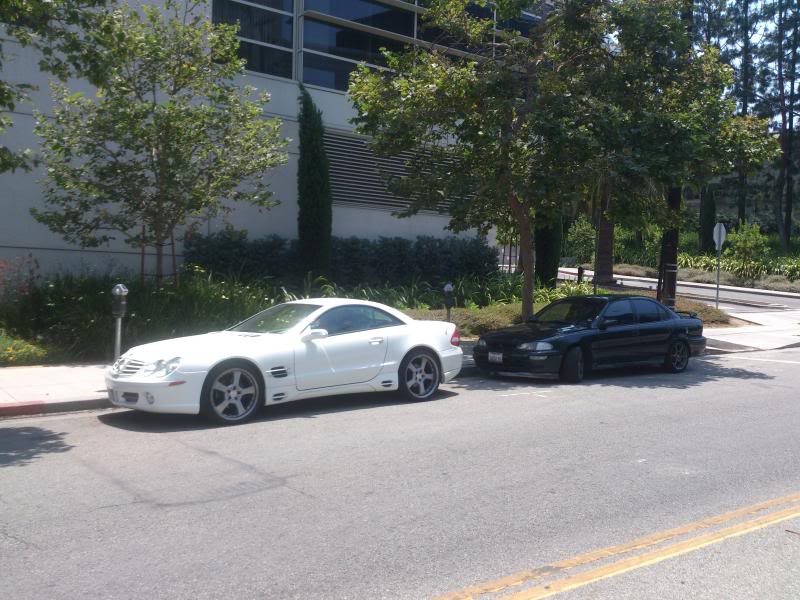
[{"x": 571, "y": 310}]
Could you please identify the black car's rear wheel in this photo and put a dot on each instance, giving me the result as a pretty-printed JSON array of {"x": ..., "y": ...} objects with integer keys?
[
  {"x": 677, "y": 357},
  {"x": 573, "y": 366}
]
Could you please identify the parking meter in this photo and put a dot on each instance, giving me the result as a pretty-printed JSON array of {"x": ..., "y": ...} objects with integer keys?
[
  {"x": 449, "y": 301},
  {"x": 580, "y": 274},
  {"x": 119, "y": 305},
  {"x": 119, "y": 301}
]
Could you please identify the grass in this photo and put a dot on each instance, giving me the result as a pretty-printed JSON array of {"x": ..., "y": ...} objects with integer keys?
[{"x": 477, "y": 321}]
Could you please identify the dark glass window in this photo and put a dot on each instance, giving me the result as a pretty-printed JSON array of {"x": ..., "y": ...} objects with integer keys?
[
  {"x": 621, "y": 310},
  {"x": 648, "y": 311},
  {"x": 367, "y": 12},
  {"x": 347, "y": 319},
  {"x": 326, "y": 72},
  {"x": 287, "y": 5},
  {"x": 255, "y": 24},
  {"x": 347, "y": 43},
  {"x": 266, "y": 60}
]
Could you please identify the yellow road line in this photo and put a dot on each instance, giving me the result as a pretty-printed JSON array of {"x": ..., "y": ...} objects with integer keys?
[
  {"x": 522, "y": 577},
  {"x": 655, "y": 556}
]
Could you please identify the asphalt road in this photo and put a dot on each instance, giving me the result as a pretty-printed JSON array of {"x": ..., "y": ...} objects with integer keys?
[{"x": 368, "y": 497}]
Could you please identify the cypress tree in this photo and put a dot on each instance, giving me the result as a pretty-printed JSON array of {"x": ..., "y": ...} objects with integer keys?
[{"x": 314, "y": 215}]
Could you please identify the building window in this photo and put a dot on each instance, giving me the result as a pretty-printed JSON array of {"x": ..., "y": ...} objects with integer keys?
[
  {"x": 346, "y": 43},
  {"x": 327, "y": 72},
  {"x": 367, "y": 12},
  {"x": 266, "y": 34},
  {"x": 264, "y": 59}
]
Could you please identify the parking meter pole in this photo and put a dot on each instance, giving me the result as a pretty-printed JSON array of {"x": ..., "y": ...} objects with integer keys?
[
  {"x": 118, "y": 338},
  {"x": 719, "y": 252},
  {"x": 449, "y": 301},
  {"x": 119, "y": 305}
]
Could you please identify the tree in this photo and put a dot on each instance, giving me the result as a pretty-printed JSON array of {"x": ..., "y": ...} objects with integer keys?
[
  {"x": 486, "y": 136},
  {"x": 55, "y": 28},
  {"x": 315, "y": 213},
  {"x": 168, "y": 136}
]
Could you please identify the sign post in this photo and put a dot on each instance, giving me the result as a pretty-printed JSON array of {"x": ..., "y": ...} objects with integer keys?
[{"x": 719, "y": 239}]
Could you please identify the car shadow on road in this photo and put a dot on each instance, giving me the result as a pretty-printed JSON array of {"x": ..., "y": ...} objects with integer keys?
[
  {"x": 642, "y": 377},
  {"x": 22, "y": 445},
  {"x": 132, "y": 420}
]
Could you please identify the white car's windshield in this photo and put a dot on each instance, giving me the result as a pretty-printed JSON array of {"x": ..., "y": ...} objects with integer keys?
[{"x": 276, "y": 319}]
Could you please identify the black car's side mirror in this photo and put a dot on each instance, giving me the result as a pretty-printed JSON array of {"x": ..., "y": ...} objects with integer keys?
[{"x": 606, "y": 323}]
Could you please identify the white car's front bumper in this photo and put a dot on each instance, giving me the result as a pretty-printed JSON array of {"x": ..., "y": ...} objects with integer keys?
[
  {"x": 452, "y": 360},
  {"x": 177, "y": 393}
]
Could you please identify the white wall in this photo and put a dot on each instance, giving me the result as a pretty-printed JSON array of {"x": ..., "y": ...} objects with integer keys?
[{"x": 21, "y": 234}]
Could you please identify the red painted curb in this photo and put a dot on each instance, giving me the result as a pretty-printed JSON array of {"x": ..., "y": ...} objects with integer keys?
[{"x": 40, "y": 407}]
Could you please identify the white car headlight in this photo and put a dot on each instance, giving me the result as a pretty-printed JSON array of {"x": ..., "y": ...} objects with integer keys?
[
  {"x": 161, "y": 368},
  {"x": 535, "y": 346}
]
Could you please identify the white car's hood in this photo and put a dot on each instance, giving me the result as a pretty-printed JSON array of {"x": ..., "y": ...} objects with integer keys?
[{"x": 207, "y": 348}]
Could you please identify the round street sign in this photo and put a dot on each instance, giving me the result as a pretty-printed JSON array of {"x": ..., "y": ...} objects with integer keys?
[{"x": 719, "y": 235}]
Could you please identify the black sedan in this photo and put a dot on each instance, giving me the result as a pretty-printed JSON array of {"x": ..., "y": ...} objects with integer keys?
[{"x": 572, "y": 336}]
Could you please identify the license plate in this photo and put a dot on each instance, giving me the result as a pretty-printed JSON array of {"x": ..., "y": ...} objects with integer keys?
[{"x": 495, "y": 357}]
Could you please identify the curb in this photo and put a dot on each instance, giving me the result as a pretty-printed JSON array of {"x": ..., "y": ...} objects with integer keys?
[{"x": 19, "y": 409}]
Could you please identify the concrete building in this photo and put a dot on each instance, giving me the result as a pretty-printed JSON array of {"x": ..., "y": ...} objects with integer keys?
[{"x": 318, "y": 42}]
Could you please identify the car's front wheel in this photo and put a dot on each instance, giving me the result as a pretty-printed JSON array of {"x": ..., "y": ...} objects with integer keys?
[
  {"x": 231, "y": 393},
  {"x": 677, "y": 358},
  {"x": 573, "y": 366},
  {"x": 419, "y": 375}
]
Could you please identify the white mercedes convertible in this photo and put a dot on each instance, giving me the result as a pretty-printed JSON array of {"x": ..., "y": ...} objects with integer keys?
[{"x": 296, "y": 350}]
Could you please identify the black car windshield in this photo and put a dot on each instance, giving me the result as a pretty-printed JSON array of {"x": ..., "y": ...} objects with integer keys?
[
  {"x": 571, "y": 310},
  {"x": 276, "y": 319}
]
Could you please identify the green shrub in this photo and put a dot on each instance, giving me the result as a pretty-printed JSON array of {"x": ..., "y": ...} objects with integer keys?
[
  {"x": 353, "y": 261},
  {"x": 747, "y": 244},
  {"x": 581, "y": 240}
]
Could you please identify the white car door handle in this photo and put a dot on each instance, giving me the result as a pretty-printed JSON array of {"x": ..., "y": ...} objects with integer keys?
[{"x": 376, "y": 340}]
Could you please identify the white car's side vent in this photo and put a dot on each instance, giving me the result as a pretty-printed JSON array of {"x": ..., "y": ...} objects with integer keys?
[
  {"x": 278, "y": 372},
  {"x": 278, "y": 397},
  {"x": 387, "y": 383}
]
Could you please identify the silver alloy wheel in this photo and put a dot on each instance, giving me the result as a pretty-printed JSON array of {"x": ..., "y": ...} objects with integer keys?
[
  {"x": 422, "y": 376},
  {"x": 679, "y": 356},
  {"x": 234, "y": 394}
]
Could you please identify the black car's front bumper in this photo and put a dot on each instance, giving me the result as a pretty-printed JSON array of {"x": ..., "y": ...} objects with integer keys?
[
  {"x": 697, "y": 345},
  {"x": 542, "y": 364}
]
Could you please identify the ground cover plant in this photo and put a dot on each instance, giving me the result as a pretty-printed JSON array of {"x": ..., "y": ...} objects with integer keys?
[{"x": 69, "y": 317}]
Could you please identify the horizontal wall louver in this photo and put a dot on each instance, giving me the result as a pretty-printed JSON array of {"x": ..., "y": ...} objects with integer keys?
[{"x": 358, "y": 176}]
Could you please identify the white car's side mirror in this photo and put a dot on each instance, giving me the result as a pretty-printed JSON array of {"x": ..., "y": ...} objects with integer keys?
[{"x": 314, "y": 334}]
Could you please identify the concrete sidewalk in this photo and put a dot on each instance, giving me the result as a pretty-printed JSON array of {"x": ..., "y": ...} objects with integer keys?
[{"x": 37, "y": 390}]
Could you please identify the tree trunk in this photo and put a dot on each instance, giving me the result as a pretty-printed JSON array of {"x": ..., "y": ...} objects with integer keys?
[
  {"x": 746, "y": 71},
  {"x": 604, "y": 257},
  {"x": 525, "y": 228},
  {"x": 547, "y": 244},
  {"x": 741, "y": 200},
  {"x": 789, "y": 198},
  {"x": 708, "y": 219},
  {"x": 159, "y": 244},
  {"x": 784, "y": 162},
  {"x": 668, "y": 269}
]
